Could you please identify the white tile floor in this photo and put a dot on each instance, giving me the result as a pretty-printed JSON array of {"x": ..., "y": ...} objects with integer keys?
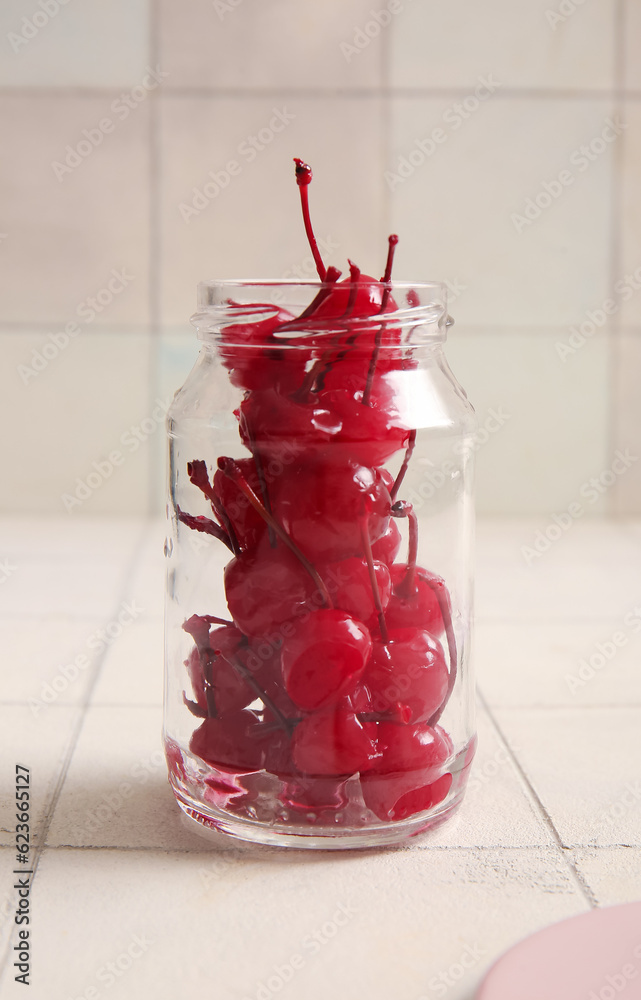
[{"x": 550, "y": 826}]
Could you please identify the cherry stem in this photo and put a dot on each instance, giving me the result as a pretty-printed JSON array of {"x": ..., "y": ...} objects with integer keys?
[
  {"x": 212, "y": 620},
  {"x": 198, "y": 475},
  {"x": 354, "y": 275},
  {"x": 223, "y": 517},
  {"x": 386, "y": 279},
  {"x": 333, "y": 274},
  {"x": 367, "y": 548},
  {"x": 404, "y": 509},
  {"x": 245, "y": 673},
  {"x": 261, "y": 480},
  {"x": 230, "y": 468},
  {"x": 439, "y": 590},
  {"x": 206, "y": 663},
  {"x": 303, "y": 179},
  {"x": 403, "y": 469},
  {"x": 206, "y": 525},
  {"x": 325, "y": 364}
]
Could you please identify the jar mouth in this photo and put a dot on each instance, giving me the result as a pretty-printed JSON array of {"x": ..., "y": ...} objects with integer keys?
[{"x": 421, "y": 313}]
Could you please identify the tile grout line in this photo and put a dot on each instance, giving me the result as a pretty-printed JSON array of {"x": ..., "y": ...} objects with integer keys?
[
  {"x": 154, "y": 253},
  {"x": 585, "y": 888},
  {"x": 277, "y": 851},
  {"x": 386, "y": 125},
  {"x": 616, "y": 186},
  {"x": 74, "y": 734},
  {"x": 318, "y": 93}
]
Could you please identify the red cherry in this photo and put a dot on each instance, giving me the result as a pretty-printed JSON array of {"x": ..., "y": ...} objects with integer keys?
[
  {"x": 314, "y": 794},
  {"x": 247, "y": 523},
  {"x": 267, "y": 587},
  {"x": 324, "y": 658},
  {"x": 386, "y": 548},
  {"x": 409, "y": 760},
  {"x": 227, "y": 691},
  {"x": 418, "y": 608},
  {"x": 393, "y": 797},
  {"x": 342, "y": 302},
  {"x": 409, "y": 748},
  {"x": 368, "y": 434},
  {"x": 409, "y": 669},
  {"x": 319, "y": 505},
  {"x": 255, "y": 358},
  {"x": 332, "y": 742},
  {"x": 350, "y": 586},
  {"x": 281, "y": 428},
  {"x": 350, "y": 372},
  {"x": 237, "y": 741}
]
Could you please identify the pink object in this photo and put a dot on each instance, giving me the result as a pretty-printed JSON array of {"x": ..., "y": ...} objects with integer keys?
[{"x": 595, "y": 956}]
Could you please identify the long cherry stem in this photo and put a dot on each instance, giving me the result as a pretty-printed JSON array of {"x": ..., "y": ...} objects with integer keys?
[
  {"x": 230, "y": 468},
  {"x": 403, "y": 469},
  {"x": 319, "y": 371},
  {"x": 333, "y": 274},
  {"x": 303, "y": 179},
  {"x": 386, "y": 279},
  {"x": 367, "y": 548},
  {"x": 404, "y": 509}
]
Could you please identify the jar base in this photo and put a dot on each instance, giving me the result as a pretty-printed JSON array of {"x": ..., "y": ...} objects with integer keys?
[{"x": 302, "y": 837}]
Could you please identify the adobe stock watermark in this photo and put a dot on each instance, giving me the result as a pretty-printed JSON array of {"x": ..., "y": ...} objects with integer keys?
[
  {"x": 7, "y": 569},
  {"x": 121, "y": 108},
  {"x": 484, "y": 774},
  {"x": 580, "y": 160},
  {"x": 113, "y": 970},
  {"x": 565, "y": 10},
  {"x": 219, "y": 867},
  {"x": 435, "y": 477},
  {"x": 453, "y": 118},
  {"x": 311, "y": 944},
  {"x": 96, "y": 643},
  {"x": 305, "y": 269},
  {"x": 247, "y": 151},
  {"x": 606, "y": 651},
  {"x": 364, "y": 36},
  {"x": 471, "y": 955},
  {"x": 595, "y": 319},
  {"x": 112, "y": 802},
  {"x": 628, "y": 800},
  {"x": 590, "y": 491},
  {"x": 224, "y": 7},
  {"x": 455, "y": 288},
  {"x": 33, "y": 25},
  {"x": 101, "y": 470},
  {"x": 616, "y": 983},
  {"x": 87, "y": 310}
]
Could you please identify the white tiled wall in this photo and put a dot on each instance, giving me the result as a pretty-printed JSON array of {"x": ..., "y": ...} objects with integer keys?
[{"x": 358, "y": 98}]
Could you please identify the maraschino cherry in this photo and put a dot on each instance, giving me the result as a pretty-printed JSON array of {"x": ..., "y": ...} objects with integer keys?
[
  {"x": 334, "y": 645},
  {"x": 324, "y": 658},
  {"x": 332, "y": 741}
]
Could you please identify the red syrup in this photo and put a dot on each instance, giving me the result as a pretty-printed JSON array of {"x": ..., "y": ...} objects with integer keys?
[{"x": 357, "y": 674}]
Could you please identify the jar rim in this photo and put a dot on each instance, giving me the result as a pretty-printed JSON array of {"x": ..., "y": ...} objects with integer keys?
[
  {"x": 205, "y": 286},
  {"x": 421, "y": 315}
]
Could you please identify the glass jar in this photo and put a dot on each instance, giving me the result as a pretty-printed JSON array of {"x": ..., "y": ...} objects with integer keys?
[{"x": 318, "y": 689}]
